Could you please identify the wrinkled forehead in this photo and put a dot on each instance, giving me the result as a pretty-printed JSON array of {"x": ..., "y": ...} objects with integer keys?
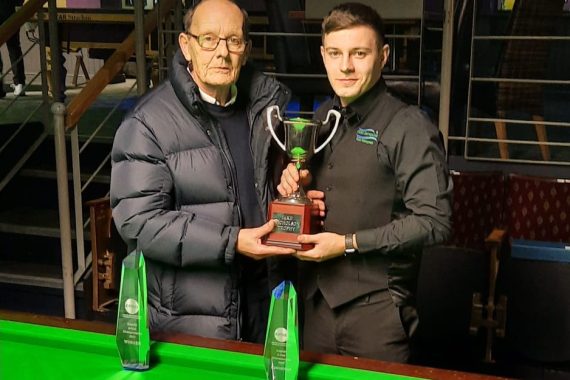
[{"x": 226, "y": 21}]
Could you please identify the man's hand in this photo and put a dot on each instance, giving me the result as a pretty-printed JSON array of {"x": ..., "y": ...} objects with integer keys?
[
  {"x": 328, "y": 245},
  {"x": 318, "y": 198},
  {"x": 290, "y": 179},
  {"x": 249, "y": 243}
]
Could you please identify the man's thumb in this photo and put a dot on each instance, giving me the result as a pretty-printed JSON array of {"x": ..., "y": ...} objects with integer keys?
[{"x": 267, "y": 227}]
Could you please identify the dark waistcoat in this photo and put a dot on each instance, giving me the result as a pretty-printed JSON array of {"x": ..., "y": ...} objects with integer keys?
[{"x": 361, "y": 194}]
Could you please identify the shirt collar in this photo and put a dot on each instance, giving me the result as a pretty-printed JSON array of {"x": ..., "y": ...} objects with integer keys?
[
  {"x": 210, "y": 99},
  {"x": 358, "y": 109}
]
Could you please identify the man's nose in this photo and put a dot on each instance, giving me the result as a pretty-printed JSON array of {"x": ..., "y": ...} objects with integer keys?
[
  {"x": 222, "y": 48},
  {"x": 346, "y": 63}
]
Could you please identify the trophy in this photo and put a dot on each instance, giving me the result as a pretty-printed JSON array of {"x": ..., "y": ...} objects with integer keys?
[
  {"x": 293, "y": 212},
  {"x": 281, "y": 350},
  {"x": 132, "y": 335}
]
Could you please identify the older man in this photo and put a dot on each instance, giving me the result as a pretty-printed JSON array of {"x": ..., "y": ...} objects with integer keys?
[
  {"x": 192, "y": 177},
  {"x": 387, "y": 193}
]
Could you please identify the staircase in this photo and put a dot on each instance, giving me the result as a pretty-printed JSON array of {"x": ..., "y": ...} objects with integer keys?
[
  {"x": 32, "y": 242},
  {"x": 30, "y": 253}
]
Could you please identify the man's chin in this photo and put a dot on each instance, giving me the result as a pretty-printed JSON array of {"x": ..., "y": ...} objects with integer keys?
[
  {"x": 220, "y": 82},
  {"x": 345, "y": 93}
]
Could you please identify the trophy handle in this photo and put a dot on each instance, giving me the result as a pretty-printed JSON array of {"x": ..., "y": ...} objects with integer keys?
[
  {"x": 337, "y": 116},
  {"x": 270, "y": 126}
]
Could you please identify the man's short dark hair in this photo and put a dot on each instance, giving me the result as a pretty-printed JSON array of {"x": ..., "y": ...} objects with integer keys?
[
  {"x": 349, "y": 15},
  {"x": 190, "y": 13}
]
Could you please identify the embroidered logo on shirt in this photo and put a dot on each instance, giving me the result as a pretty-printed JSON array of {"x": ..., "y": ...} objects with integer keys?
[{"x": 367, "y": 136}]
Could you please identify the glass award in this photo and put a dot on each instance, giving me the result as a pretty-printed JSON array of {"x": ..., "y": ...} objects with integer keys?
[
  {"x": 133, "y": 337},
  {"x": 281, "y": 353},
  {"x": 294, "y": 213}
]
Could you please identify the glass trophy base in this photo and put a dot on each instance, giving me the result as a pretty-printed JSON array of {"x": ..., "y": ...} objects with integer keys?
[{"x": 135, "y": 366}]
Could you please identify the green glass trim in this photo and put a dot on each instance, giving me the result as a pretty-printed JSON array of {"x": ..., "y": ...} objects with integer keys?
[
  {"x": 299, "y": 123},
  {"x": 298, "y": 152}
]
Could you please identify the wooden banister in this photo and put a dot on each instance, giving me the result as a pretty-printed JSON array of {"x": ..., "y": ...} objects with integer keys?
[
  {"x": 112, "y": 66},
  {"x": 15, "y": 22}
]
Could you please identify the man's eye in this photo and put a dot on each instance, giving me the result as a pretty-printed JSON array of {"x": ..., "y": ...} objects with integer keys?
[
  {"x": 334, "y": 54},
  {"x": 236, "y": 41},
  {"x": 208, "y": 38},
  {"x": 360, "y": 54}
]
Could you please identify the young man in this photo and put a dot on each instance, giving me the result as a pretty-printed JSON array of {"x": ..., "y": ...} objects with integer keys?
[
  {"x": 191, "y": 180},
  {"x": 387, "y": 192}
]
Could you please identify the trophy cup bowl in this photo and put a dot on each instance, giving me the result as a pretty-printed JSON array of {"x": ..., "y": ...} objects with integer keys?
[{"x": 293, "y": 213}]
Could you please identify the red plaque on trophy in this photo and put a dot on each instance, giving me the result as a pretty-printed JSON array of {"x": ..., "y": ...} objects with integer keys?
[{"x": 294, "y": 213}]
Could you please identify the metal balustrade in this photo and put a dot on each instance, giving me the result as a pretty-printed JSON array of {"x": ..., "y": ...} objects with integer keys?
[
  {"x": 473, "y": 120},
  {"x": 66, "y": 121}
]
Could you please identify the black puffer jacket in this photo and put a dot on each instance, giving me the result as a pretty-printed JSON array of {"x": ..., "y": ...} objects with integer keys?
[{"x": 172, "y": 193}]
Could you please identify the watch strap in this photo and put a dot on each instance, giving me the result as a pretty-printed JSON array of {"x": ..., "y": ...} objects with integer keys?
[{"x": 348, "y": 245}]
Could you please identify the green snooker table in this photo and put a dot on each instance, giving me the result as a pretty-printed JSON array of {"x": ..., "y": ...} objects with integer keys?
[{"x": 36, "y": 347}]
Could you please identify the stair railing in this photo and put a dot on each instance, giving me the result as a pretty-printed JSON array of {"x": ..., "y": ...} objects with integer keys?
[
  {"x": 7, "y": 30},
  {"x": 15, "y": 22},
  {"x": 66, "y": 119}
]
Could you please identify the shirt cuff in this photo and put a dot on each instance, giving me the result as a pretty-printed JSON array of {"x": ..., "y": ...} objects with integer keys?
[{"x": 366, "y": 240}]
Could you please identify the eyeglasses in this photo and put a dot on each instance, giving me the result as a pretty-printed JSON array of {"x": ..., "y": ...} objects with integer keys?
[{"x": 210, "y": 42}]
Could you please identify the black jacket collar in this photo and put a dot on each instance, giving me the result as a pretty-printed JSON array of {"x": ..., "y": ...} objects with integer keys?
[{"x": 252, "y": 85}]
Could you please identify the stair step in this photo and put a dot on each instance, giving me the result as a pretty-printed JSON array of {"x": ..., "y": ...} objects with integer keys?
[
  {"x": 33, "y": 249},
  {"x": 29, "y": 221},
  {"x": 104, "y": 175},
  {"x": 32, "y": 221},
  {"x": 23, "y": 141},
  {"x": 34, "y": 193},
  {"x": 33, "y": 274},
  {"x": 91, "y": 157},
  {"x": 47, "y": 301},
  {"x": 40, "y": 192}
]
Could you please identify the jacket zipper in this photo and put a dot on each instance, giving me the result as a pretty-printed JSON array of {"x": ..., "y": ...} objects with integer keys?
[
  {"x": 220, "y": 141},
  {"x": 233, "y": 176}
]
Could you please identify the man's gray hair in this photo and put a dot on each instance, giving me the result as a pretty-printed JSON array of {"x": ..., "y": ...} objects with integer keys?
[{"x": 190, "y": 13}]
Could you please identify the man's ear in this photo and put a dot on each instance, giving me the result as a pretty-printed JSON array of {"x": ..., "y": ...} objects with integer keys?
[
  {"x": 184, "y": 43},
  {"x": 323, "y": 52},
  {"x": 246, "y": 53},
  {"x": 385, "y": 51}
]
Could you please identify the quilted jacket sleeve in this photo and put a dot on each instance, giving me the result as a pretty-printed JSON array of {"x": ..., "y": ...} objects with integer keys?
[{"x": 143, "y": 205}]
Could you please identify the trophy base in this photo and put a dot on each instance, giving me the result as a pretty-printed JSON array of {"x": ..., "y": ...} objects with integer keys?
[
  {"x": 294, "y": 219},
  {"x": 285, "y": 244}
]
